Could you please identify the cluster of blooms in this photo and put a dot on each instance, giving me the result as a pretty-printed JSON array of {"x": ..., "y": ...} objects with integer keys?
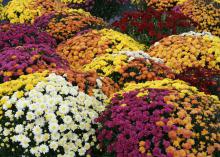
[
  {"x": 160, "y": 118},
  {"x": 89, "y": 82},
  {"x": 63, "y": 26},
  {"x": 1, "y": 8},
  {"x": 19, "y": 12},
  {"x": 13, "y": 35},
  {"x": 52, "y": 118},
  {"x": 49, "y": 6},
  {"x": 85, "y": 4},
  {"x": 184, "y": 51},
  {"x": 82, "y": 49},
  {"x": 205, "y": 15},
  {"x": 205, "y": 80},
  {"x": 27, "y": 10},
  {"x": 124, "y": 68},
  {"x": 160, "y": 25},
  {"x": 164, "y": 4},
  {"x": 195, "y": 57},
  {"x": 27, "y": 82},
  {"x": 27, "y": 59}
]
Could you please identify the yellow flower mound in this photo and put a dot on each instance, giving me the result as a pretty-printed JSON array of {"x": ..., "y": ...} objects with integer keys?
[
  {"x": 108, "y": 63},
  {"x": 20, "y": 11},
  {"x": 182, "y": 52},
  {"x": 178, "y": 85},
  {"x": 122, "y": 41}
]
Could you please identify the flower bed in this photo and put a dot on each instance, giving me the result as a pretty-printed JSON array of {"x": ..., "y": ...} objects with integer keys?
[
  {"x": 160, "y": 118},
  {"x": 52, "y": 118},
  {"x": 82, "y": 49}
]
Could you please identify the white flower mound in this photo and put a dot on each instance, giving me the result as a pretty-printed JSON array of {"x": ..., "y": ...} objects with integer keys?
[{"x": 53, "y": 117}]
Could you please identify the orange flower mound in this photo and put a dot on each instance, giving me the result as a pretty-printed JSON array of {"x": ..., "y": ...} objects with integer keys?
[
  {"x": 207, "y": 16},
  {"x": 82, "y": 49},
  {"x": 63, "y": 26}
]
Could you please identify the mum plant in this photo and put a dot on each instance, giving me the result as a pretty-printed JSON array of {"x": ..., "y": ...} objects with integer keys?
[
  {"x": 51, "y": 118},
  {"x": 163, "y": 118}
]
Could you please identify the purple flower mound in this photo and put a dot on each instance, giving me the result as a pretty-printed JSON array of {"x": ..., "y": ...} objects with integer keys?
[
  {"x": 131, "y": 119},
  {"x": 12, "y": 35},
  {"x": 26, "y": 59}
]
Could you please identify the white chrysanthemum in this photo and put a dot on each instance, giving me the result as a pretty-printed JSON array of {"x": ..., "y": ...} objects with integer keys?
[
  {"x": 67, "y": 119},
  {"x": 87, "y": 146},
  {"x": 81, "y": 96},
  {"x": 40, "y": 121},
  {"x": 38, "y": 112},
  {"x": 38, "y": 139},
  {"x": 54, "y": 145},
  {"x": 42, "y": 106},
  {"x": 64, "y": 109},
  {"x": 53, "y": 127},
  {"x": 33, "y": 106},
  {"x": 55, "y": 136},
  {"x": 6, "y": 132},
  {"x": 86, "y": 137},
  {"x": 65, "y": 90},
  {"x": 33, "y": 151},
  {"x": 73, "y": 91},
  {"x": 9, "y": 114},
  {"x": 63, "y": 127},
  {"x": 50, "y": 116},
  {"x": 25, "y": 142},
  {"x": 19, "y": 113},
  {"x": 30, "y": 116},
  {"x": 79, "y": 143},
  {"x": 22, "y": 103},
  {"x": 51, "y": 101},
  {"x": 82, "y": 151},
  {"x": 37, "y": 130},
  {"x": 44, "y": 149},
  {"x": 19, "y": 129},
  {"x": 50, "y": 88},
  {"x": 78, "y": 118}
]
